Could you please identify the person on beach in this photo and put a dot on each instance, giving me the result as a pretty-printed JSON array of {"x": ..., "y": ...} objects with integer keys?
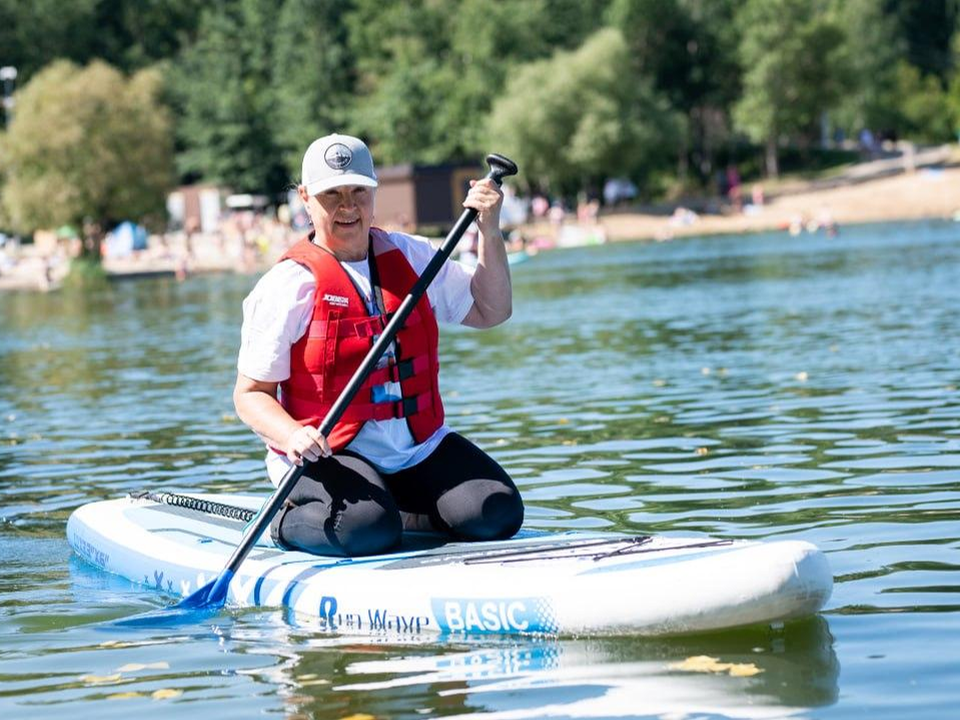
[{"x": 391, "y": 461}]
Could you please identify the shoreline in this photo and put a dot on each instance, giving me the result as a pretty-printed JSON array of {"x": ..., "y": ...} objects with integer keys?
[
  {"x": 931, "y": 193},
  {"x": 925, "y": 193}
]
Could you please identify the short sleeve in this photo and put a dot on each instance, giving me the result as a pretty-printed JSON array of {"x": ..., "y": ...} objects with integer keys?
[
  {"x": 449, "y": 294},
  {"x": 275, "y": 315}
]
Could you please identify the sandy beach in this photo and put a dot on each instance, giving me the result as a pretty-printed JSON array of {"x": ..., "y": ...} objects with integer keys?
[
  {"x": 925, "y": 193},
  {"x": 918, "y": 185}
]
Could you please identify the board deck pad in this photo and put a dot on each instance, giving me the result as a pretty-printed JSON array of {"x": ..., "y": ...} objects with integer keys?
[{"x": 534, "y": 583}]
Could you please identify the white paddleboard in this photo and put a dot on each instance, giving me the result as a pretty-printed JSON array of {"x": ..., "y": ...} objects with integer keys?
[{"x": 549, "y": 583}]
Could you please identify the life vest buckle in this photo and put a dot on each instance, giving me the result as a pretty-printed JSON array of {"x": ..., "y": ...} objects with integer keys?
[
  {"x": 369, "y": 327},
  {"x": 408, "y": 406},
  {"x": 405, "y": 369}
]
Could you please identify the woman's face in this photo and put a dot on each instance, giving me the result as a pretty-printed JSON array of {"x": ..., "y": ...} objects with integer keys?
[{"x": 341, "y": 216}]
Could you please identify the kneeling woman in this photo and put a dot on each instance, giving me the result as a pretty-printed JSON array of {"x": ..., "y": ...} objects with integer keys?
[{"x": 308, "y": 324}]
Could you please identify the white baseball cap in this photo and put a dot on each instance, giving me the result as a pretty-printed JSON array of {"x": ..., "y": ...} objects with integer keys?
[{"x": 337, "y": 160}]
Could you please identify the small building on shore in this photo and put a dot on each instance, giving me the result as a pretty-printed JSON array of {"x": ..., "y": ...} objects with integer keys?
[
  {"x": 418, "y": 197},
  {"x": 196, "y": 207}
]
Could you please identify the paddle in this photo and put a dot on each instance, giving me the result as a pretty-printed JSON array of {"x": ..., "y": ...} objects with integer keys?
[{"x": 214, "y": 594}]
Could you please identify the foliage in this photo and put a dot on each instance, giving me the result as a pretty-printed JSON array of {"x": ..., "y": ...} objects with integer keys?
[
  {"x": 86, "y": 274},
  {"x": 129, "y": 34},
  {"x": 660, "y": 35},
  {"x": 311, "y": 77},
  {"x": 871, "y": 53},
  {"x": 87, "y": 144},
  {"x": 793, "y": 69},
  {"x": 221, "y": 88},
  {"x": 686, "y": 49},
  {"x": 34, "y": 33},
  {"x": 927, "y": 27},
  {"x": 252, "y": 82},
  {"x": 571, "y": 119},
  {"x": 430, "y": 71},
  {"x": 953, "y": 106},
  {"x": 133, "y": 34},
  {"x": 923, "y": 105}
]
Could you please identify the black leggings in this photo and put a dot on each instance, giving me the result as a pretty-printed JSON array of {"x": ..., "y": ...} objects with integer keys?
[{"x": 343, "y": 506}]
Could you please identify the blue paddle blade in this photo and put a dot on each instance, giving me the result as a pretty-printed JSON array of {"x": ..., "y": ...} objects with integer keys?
[
  {"x": 205, "y": 601},
  {"x": 173, "y": 616},
  {"x": 211, "y": 596}
]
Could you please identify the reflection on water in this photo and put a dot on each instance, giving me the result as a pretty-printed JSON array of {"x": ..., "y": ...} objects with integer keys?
[
  {"x": 253, "y": 662},
  {"x": 795, "y": 669},
  {"x": 757, "y": 386}
]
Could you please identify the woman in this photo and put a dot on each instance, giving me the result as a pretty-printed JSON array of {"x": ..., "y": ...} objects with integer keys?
[{"x": 308, "y": 324}]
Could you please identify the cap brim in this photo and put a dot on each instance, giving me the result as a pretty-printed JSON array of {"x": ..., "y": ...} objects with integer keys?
[{"x": 318, "y": 186}]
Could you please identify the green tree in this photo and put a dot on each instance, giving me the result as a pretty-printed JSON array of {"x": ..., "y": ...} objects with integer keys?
[
  {"x": 570, "y": 120},
  {"x": 133, "y": 34},
  {"x": 430, "y": 71},
  {"x": 34, "y": 33},
  {"x": 872, "y": 49},
  {"x": 312, "y": 77},
  {"x": 407, "y": 78},
  {"x": 686, "y": 50},
  {"x": 953, "y": 90},
  {"x": 129, "y": 34},
  {"x": 489, "y": 40},
  {"x": 927, "y": 28},
  {"x": 792, "y": 53},
  {"x": 221, "y": 86},
  {"x": 87, "y": 145},
  {"x": 953, "y": 104},
  {"x": 661, "y": 37},
  {"x": 924, "y": 106}
]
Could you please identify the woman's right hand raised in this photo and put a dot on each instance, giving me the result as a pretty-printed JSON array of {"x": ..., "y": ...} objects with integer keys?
[{"x": 306, "y": 443}]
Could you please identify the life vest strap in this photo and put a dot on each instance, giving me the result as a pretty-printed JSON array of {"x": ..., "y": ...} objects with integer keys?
[
  {"x": 362, "y": 412},
  {"x": 357, "y": 327},
  {"x": 397, "y": 372}
]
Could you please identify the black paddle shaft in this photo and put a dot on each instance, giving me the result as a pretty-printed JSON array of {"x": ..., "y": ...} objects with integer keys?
[{"x": 500, "y": 167}]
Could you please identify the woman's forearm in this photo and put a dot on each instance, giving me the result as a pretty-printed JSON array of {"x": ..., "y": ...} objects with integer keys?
[{"x": 491, "y": 287}]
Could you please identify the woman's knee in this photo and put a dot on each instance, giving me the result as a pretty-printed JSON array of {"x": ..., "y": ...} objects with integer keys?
[
  {"x": 341, "y": 507},
  {"x": 481, "y": 510},
  {"x": 364, "y": 528}
]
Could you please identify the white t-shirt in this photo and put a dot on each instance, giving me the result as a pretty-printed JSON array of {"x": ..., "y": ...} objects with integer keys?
[{"x": 277, "y": 313}]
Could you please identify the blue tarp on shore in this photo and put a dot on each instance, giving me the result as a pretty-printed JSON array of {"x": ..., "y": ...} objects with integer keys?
[{"x": 124, "y": 239}]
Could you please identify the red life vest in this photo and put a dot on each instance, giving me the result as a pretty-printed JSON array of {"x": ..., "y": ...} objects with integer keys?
[{"x": 341, "y": 333}]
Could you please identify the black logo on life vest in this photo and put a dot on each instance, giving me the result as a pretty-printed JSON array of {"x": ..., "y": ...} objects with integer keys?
[{"x": 338, "y": 156}]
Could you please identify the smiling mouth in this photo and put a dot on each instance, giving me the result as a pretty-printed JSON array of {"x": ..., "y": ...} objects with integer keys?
[{"x": 347, "y": 223}]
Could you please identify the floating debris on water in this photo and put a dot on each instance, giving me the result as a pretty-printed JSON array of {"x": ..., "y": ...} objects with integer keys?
[
  {"x": 707, "y": 664},
  {"x": 101, "y": 679},
  {"x": 166, "y": 694}
]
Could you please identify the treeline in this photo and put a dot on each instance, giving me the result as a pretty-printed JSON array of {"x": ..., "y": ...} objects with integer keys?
[{"x": 575, "y": 90}]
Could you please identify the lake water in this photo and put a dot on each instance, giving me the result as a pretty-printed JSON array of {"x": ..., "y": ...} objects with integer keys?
[{"x": 738, "y": 387}]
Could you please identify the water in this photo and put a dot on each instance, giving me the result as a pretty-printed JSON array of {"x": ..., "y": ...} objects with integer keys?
[{"x": 762, "y": 387}]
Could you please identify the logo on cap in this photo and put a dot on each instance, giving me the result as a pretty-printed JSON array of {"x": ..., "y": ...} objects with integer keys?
[{"x": 338, "y": 156}]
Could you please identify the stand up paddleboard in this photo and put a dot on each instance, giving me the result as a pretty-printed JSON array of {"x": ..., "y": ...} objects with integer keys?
[{"x": 566, "y": 583}]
